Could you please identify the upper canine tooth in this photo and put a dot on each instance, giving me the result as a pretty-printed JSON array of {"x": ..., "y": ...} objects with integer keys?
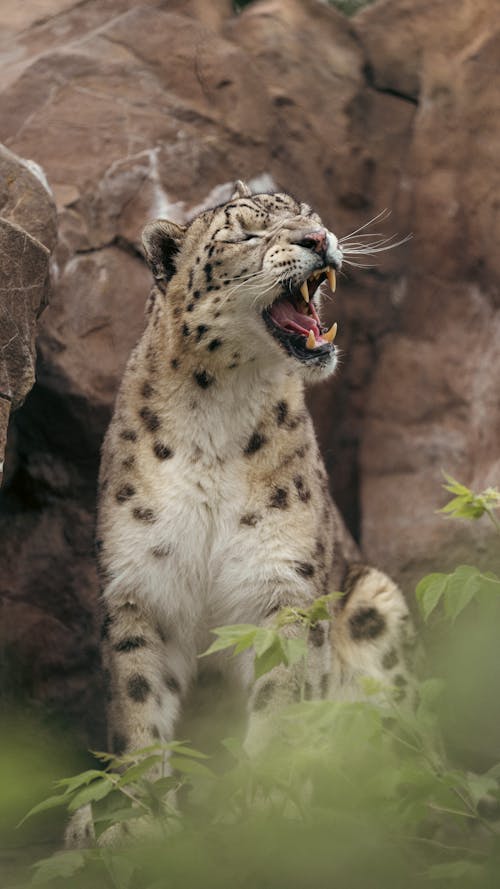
[
  {"x": 304, "y": 291},
  {"x": 330, "y": 335},
  {"x": 332, "y": 280},
  {"x": 311, "y": 341}
]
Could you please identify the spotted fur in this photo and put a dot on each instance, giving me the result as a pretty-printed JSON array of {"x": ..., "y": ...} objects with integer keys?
[{"x": 216, "y": 508}]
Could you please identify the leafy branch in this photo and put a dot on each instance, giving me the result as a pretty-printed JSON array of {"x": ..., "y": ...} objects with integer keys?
[
  {"x": 270, "y": 645},
  {"x": 467, "y": 505}
]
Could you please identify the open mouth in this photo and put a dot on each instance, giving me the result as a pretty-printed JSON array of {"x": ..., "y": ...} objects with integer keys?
[{"x": 293, "y": 320}]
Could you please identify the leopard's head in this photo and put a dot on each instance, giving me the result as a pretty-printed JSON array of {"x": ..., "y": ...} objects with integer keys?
[{"x": 243, "y": 283}]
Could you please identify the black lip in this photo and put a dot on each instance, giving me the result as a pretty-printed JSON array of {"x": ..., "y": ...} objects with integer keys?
[{"x": 295, "y": 343}]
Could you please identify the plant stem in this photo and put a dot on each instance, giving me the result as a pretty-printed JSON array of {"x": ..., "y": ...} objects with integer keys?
[{"x": 131, "y": 796}]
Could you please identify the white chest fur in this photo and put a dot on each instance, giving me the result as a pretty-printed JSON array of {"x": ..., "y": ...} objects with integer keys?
[{"x": 192, "y": 559}]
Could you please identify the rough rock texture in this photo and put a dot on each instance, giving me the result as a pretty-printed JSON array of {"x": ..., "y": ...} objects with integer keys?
[
  {"x": 434, "y": 400},
  {"x": 139, "y": 111},
  {"x": 27, "y": 236},
  {"x": 405, "y": 41}
]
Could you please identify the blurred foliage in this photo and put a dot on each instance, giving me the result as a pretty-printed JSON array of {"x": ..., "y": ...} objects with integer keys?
[
  {"x": 34, "y": 752},
  {"x": 364, "y": 794}
]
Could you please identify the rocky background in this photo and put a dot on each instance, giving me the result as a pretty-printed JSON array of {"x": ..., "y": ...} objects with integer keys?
[{"x": 136, "y": 111}]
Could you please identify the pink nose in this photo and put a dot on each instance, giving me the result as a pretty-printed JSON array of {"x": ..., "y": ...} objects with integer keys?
[{"x": 315, "y": 240}]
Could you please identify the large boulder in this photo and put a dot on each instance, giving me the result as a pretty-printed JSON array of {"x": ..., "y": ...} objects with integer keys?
[
  {"x": 27, "y": 236},
  {"x": 434, "y": 402},
  {"x": 403, "y": 38}
]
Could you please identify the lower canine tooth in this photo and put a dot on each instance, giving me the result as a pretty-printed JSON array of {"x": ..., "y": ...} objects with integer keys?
[
  {"x": 330, "y": 335},
  {"x": 311, "y": 341},
  {"x": 332, "y": 280},
  {"x": 304, "y": 291}
]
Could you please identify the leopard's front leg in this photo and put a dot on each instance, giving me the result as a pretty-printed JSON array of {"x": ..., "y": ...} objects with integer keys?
[{"x": 147, "y": 669}]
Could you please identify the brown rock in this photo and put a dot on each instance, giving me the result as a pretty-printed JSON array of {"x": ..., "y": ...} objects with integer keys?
[
  {"x": 403, "y": 38},
  {"x": 23, "y": 280},
  {"x": 434, "y": 398},
  {"x": 96, "y": 317},
  {"x": 4, "y": 422},
  {"x": 27, "y": 235}
]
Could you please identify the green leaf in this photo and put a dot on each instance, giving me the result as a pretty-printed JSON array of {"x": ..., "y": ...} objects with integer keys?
[
  {"x": 58, "y": 866},
  {"x": 271, "y": 657},
  {"x": 138, "y": 770},
  {"x": 463, "y": 507},
  {"x": 116, "y": 815},
  {"x": 189, "y": 766},
  {"x": 490, "y": 582},
  {"x": 429, "y": 591},
  {"x": 461, "y": 587},
  {"x": 466, "y": 504},
  {"x": 239, "y": 635},
  {"x": 102, "y": 756},
  {"x": 180, "y": 748},
  {"x": 265, "y": 639},
  {"x": 95, "y": 791},
  {"x": 80, "y": 780},
  {"x": 319, "y": 608},
  {"x": 51, "y": 803},
  {"x": 160, "y": 788},
  {"x": 455, "y": 487}
]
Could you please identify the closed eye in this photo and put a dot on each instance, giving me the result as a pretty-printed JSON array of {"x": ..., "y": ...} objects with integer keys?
[
  {"x": 240, "y": 238},
  {"x": 249, "y": 236}
]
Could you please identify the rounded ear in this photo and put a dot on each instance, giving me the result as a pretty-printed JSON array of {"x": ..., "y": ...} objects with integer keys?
[
  {"x": 241, "y": 190},
  {"x": 162, "y": 240}
]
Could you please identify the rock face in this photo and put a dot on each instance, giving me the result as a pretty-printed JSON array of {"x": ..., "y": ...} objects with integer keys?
[
  {"x": 27, "y": 236},
  {"x": 137, "y": 112},
  {"x": 433, "y": 403}
]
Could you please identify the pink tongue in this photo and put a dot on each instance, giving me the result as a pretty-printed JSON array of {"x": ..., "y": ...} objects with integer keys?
[{"x": 287, "y": 317}]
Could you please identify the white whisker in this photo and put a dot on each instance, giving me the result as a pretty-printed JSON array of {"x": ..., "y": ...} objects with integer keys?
[
  {"x": 261, "y": 293},
  {"x": 243, "y": 278},
  {"x": 350, "y": 244},
  {"x": 376, "y": 247},
  {"x": 362, "y": 235},
  {"x": 383, "y": 215},
  {"x": 359, "y": 265},
  {"x": 243, "y": 281}
]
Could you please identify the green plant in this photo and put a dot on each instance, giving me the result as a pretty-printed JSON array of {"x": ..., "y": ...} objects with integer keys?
[
  {"x": 348, "y": 793},
  {"x": 465, "y": 583}
]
